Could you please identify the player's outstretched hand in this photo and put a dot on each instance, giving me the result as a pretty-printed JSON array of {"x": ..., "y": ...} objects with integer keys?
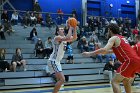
[{"x": 87, "y": 54}]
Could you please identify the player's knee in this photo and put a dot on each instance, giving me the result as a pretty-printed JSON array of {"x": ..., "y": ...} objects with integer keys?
[{"x": 62, "y": 80}]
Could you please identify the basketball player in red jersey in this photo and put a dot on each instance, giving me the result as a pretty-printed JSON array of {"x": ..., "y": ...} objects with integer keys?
[{"x": 125, "y": 54}]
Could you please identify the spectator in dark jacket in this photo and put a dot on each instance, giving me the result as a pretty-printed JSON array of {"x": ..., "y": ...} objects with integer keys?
[
  {"x": 4, "y": 65},
  {"x": 2, "y": 32},
  {"x": 33, "y": 35},
  {"x": 111, "y": 67},
  {"x": 83, "y": 44},
  {"x": 37, "y": 7},
  {"x": 4, "y": 17},
  {"x": 17, "y": 60},
  {"x": 39, "y": 48}
]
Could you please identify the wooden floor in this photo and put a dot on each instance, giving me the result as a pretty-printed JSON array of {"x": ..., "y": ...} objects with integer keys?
[{"x": 95, "y": 88}]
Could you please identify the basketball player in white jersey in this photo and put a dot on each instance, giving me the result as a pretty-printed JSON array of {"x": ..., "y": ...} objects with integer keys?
[{"x": 59, "y": 43}]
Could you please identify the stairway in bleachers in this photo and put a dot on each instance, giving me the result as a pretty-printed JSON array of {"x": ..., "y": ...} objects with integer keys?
[{"x": 84, "y": 71}]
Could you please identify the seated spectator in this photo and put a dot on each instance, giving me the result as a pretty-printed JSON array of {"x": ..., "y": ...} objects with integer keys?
[
  {"x": 26, "y": 19},
  {"x": 4, "y": 17},
  {"x": 39, "y": 19},
  {"x": 95, "y": 37},
  {"x": 48, "y": 48},
  {"x": 33, "y": 35},
  {"x": 8, "y": 27},
  {"x": 14, "y": 18},
  {"x": 33, "y": 19},
  {"x": 83, "y": 44},
  {"x": 99, "y": 57},
  {"x": 70, "y": 53},
  {"x": 2, "y": 32},
  {"x": 17, "y": 60},
  {"x": 39, "y": 48},
  {"x": 111, "y": 67},
  {"x": 4, "y": 65},
  {"x": 87, "y": 30},
  {"x": 49, "y": 21},
  {"x": 113, "y": 21},
  {"x": 135, "y": 32},
  {"x": 91, "y": 44},
  {"x": 111, "y": 56}
]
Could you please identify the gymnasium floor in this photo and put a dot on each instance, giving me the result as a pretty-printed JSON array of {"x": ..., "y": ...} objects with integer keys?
[{"x": 94, "y": 88}]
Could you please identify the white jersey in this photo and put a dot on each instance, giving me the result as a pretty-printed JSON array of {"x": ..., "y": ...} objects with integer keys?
[{"x": 58, "y": 51}]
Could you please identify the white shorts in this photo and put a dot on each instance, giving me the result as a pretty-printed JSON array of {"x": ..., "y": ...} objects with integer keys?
[{"x": 53, "y": 67}]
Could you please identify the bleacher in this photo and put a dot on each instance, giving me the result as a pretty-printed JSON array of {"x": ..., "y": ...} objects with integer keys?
[{"x": 83, "y": 71}]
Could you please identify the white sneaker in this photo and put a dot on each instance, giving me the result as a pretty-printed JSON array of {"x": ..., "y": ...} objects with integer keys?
[{"x": 62, "y": 87}]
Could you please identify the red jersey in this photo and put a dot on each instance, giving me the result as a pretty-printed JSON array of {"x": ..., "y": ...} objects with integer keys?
[
  {"x": 124, "y": 51},
  {"x": 137, "y": 48}
]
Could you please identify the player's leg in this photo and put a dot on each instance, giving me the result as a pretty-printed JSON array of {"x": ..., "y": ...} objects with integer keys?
[
  {"x": 116, "y": 83},
  {"x": 61, "y": 79},
  {"x": 127, "y": 84}
]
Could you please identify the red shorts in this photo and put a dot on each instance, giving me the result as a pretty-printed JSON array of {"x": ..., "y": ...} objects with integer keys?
[{"x": 129, "y": 68}]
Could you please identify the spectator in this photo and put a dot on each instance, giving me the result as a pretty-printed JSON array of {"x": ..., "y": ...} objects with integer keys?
[
  {"x": 4, "y": 17},
  {"x": 8, "y": 27},
  {"x": 127, "y": 23},
  {"x": 95, "y": 37},
  {"x": 37, "y": 7},
  {"x": 17, "y": 60},
  {"x": 39, "y": 48},
  {"x": 91, "y": 23},
  {"x": 87, "y": 29},
  {"x": 111, "y": 67},
  {"x": 113, "y": 21},
  {"x": 2, "y": 32},
  {"x": 33, "y": 19},
  {"x": 48, "y": 47},
  {"x": 99, "y": 56},
  {"x": 40, "y": 19},
  {"x": 33, "y": 35},
  {"x": 120, "y": 21},
  {"x": 49, "y": 21},
  {"x": 26, "y": 19},
  {"x": 70, "y": 53},
  {"x": 91, "y": 44},
  {"x": 83, "y": 44},
  {"x": 60, "y": 16},
  {"x": 111, "y": 56},
  {"x": 14, "y": 18},
  {"x": 135, "y": 32},
  {"x": 4, "y": 65},
  {"x": 74, "y": 13}
]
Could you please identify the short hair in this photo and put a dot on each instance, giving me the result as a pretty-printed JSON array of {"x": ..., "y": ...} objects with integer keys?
[
  {"x": 17, "y": 49},
  {"x": 49, "y": 38},
  {"x": 57, "y": 29},
  {"x": 114, "y": 28}
]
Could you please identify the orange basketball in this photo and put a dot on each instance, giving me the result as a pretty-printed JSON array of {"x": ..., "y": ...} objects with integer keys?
[{"x": 72, "y": 22}]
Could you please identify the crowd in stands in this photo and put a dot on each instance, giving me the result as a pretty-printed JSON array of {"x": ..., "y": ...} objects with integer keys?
[{"x": 88, "y": 35}]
